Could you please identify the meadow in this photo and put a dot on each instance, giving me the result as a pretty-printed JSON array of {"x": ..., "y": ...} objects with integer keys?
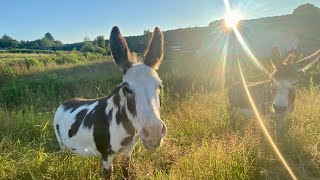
[{"x": 200, "y": 143}]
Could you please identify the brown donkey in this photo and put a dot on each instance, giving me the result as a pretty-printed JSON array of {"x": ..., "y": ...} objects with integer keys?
[{"x": 275, "y": 96}]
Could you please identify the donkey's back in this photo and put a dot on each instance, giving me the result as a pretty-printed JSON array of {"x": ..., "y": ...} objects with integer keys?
[
  {"x": 239, "y": 100},
  {"x": 74, "y": 126}
]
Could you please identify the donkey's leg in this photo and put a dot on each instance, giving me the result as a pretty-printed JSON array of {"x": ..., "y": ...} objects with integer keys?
[
  {"x": 126, "y": 166},
  {"x": 57, "y": 130},
  {"x": 107, "y": 166},
  {"x": 126, "y": 161},
  {"x": 280, "y": 128},
  {"x": 233, "y": 122}
]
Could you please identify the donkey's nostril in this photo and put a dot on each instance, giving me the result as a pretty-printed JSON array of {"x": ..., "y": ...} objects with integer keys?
[
  {"x": 145, "y": 132},
  {"x": 163, "y": 130}
]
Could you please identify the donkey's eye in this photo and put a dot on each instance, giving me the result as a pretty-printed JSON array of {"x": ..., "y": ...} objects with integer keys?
[
  {"x": 127, "y": 90},
  {"x": 294, "y": 84}
]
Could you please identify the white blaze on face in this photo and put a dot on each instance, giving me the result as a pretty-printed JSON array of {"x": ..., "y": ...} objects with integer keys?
[
  {"x": 282, "y": 87},
  {"x": 145, "y": 82}
]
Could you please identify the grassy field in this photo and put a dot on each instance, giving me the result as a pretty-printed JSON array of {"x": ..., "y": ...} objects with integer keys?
[{"x": 200, "y": 143}]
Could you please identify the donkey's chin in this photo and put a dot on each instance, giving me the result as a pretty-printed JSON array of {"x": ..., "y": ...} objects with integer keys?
[{"x": 152, "y": 145}]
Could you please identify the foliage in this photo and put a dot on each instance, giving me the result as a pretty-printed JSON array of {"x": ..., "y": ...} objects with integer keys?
[
  {"x": 31, "y": 62},
  {"x": 303, "y": 22},
  {"x": 17, "y": 63},
  {"x": 29, "y": 51},
  {"x": 139, "y": 44},
  {"x": 100, "y": 42},
  {"x": 88, "y": 46},
  {"x": 8, "y": 42},
  {"x": 48, "y": 44},
  {"x": 97, "y": 46},
  {"x": 199, "y": 144},
  {"x": 49, "y": 36}
]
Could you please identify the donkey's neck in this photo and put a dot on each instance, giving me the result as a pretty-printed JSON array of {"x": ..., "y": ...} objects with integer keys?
[
  {"x": 124, "y": 107},
  {"x": 268, "y": 97}
]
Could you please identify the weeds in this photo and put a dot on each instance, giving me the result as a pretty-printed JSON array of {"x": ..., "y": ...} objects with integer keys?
[{"x": 200, "y": 143}]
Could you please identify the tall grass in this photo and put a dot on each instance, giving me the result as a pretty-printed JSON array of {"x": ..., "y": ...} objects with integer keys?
[{"x": 199, "y": 144}]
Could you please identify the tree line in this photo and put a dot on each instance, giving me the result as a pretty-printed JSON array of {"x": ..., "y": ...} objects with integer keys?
[
  {"x": 46, "y": 43},
  {"x": 49, "y": 43}
]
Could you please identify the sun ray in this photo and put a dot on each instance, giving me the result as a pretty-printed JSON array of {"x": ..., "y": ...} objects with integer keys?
[
  {"x": 248, "y": 51},
  {"x": 242, "y": 41},
  {"x": 259, "y": 118},
  {"x": 223, "y": 58},
  {"x": 232, "y": 19},
  {"x": 264, "y": 128}
]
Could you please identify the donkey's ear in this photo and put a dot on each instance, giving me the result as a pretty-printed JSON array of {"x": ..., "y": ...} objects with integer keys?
[
  {"x": 276, "y": 57},
  {"x": 290, "y": 59},
  {"x": 120, "y": 50},
  {"x": 154, "y": 53}
]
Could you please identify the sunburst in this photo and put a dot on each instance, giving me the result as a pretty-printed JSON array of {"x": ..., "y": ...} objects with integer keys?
[{"x": 232, "y": 19}]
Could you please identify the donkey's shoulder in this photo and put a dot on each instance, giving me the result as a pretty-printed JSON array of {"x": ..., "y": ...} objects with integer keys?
[{"x": 75, "y": 103}]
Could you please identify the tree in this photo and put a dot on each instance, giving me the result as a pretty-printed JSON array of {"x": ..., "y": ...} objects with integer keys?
[
  {"x": 8, "y": 42},
  {"x": 100, "y": 50},
  {"x": 46, "y": 43},
  {"x": 88, "y": 46},
  {"x": 86, "y": 39},
  {"x": 146, "y": 37},
  {"x": 49, "y": 36},
  {"x": 100, "y": 41}
]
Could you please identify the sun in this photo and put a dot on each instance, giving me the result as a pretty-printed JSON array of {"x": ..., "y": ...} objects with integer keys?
[{"x": 232, "y": 19}]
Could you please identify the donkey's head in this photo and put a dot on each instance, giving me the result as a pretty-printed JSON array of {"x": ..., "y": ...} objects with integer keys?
[
  {"x": 142, "y": 84},
  {"x": 285, "y": 78}
]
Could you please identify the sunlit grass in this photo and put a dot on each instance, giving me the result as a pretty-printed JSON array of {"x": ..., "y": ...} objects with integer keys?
[
  {"x": 264, "y": 128},
  {"x": 199, "y": 145}
]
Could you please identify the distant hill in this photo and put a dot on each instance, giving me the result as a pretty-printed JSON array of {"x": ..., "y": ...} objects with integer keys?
[{"x": 299, "y": 31}]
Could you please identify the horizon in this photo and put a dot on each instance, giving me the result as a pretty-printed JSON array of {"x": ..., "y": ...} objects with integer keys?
[{"x": 24, "y": 23}]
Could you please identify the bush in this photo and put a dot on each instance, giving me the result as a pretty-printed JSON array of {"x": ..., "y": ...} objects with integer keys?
[
  {"x": 63, "y": 58},
  {"x": 100, "y": 50},
  {"x": 29, "y": 62},
  {"x": 24, "y": 51},
  {"x": 93, "y": 56},
  {"x": 88, "y": 46},
  {"x": 46, "y": 60}
]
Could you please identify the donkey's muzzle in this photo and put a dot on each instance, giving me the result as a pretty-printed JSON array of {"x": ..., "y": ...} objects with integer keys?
[
  {"x": 152, "y": 136},
  {"x": 279, "y": 109}
]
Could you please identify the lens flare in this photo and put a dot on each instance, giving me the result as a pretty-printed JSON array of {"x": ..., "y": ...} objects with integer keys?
[
  {"x": 223, "y": 58},
  {"x": 260, "y": 121},
  {"x": 248, "y": 51},
  {"x": 264, "y": 128},
  {"x": 232, "y": 19}
]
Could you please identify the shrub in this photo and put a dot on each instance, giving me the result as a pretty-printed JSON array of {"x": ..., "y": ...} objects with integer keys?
[
  {"x": 100, "y": 50},
  {"x": 29, "y": 62},
  {"x": 46, "y": 60}
]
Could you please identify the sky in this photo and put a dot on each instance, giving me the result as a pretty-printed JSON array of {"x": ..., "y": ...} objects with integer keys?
[{"x": 72, "y": 20}]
